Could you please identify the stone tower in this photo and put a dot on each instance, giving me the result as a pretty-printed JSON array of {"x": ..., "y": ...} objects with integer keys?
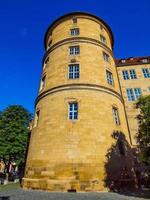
[{"x": 78, "y": 107}]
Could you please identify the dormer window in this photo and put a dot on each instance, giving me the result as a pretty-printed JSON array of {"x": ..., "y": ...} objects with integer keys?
[
  {"x": 144, "y": 60},
  {"x": 123, "y": 60}
]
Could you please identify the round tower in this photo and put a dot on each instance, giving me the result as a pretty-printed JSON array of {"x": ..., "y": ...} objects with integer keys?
[{"x": 78, "y": 107}]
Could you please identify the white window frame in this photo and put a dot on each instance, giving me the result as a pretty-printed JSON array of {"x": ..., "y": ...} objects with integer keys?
[
  {"x": 146, "y": 72},
  {"x": 74, "y": 50},
  {"x": 42, "y": 85},
  {"x": 106, "y": 57},
  {"x": 125, "y": 74},
  {"x": 74, "y": 31},
  {"x": 133, "y": 74},
  {"x": 103, "y": 39},
  {"x": 133, "y": 93},
  {"x": 74, "y": 71},
  {"x": 109, "y": 77},
  {"x": 73, "y": 110},
  {"x": 115, "y": 114}
]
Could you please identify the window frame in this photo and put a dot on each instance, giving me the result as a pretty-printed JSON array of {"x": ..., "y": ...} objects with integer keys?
[
  {"x": 103, "y": 39},
  {"x": 42, "y": 84},
  {"x": 115, "y": 114},
  {"x": 75, "y": 72},
  {"x": 73, "y": 113},
  {"x": 132, "y": 73},
  {"x": 133, "y": 94},
  {"x": 125, "y": 74},
  {"x": 74, "y": 52},
  {"x": 146, "y": 72},
  {"x": 109, "y": 77},
  {"x": 73, "y": 31},
  {"x": 106, "y": 57}
]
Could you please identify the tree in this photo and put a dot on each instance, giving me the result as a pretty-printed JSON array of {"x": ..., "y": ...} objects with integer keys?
[
  {"x": 14, "y": 130},
  {"x": 143, "y": 135}
]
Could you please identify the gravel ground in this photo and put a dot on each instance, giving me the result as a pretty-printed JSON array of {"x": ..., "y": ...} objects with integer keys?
[{"x": 20, "y": 194}]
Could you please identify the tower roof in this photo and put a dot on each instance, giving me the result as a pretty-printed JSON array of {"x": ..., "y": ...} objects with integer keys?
[{"x": 78, "y": 13}]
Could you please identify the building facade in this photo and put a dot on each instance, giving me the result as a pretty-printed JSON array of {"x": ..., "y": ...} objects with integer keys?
[
  {"x": 79, "y": 106},
  {"x": 134, "y": 78}
]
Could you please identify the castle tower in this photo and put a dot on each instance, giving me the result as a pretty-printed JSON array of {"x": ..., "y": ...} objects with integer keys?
[{"x": 78, "y": 107}]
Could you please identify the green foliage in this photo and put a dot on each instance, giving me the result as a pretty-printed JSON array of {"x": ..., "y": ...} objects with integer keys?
[
  {"x": 14, "y": 123},
  {"x": 143, "y": 135}
]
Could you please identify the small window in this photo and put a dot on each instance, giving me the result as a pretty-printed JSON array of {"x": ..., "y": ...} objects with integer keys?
[
  {"x": 125, "y": 74},
  {"x": 74, "y": 50},
  {"x": 106, "y": 57},
  {"x": 74, "y": 20},
  {"x": 148, "y": 89},
  {"x": 109, "y": 77},
  {"x": 116, "y": 115},
  {"x": 36, "y": 120},
  {"x": 45, "y": 63},
  {"x": 42, "y": 83},
  {"x": 132, "y": 74},
  {"x": 123, "y": 60},
  {"x": 146, "y": 72},
  {"x": 102, "y": 39},
  {"x": 73, "y": 71},
  {"x": 74, "y": 31},
  {"x": 144, "y": 60},
  {"x": 133, "y": 93},
  {"x": 73, "y": 111}
]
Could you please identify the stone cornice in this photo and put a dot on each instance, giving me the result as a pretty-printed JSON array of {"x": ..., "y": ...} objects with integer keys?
[
  {"x": 77, "y": 39},
  {"x": 78, "y": 14},
  {"x": 78, "y": 86}
]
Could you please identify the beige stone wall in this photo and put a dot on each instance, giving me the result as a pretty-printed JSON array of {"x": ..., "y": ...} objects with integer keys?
[
  {"x": 65, "y": 154},
  {"x": 140, "y": 82},
  {"x": 89, "y": 28}
]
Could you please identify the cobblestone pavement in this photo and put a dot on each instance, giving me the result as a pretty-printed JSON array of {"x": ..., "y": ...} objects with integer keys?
[{"x": 20, "y": 194}]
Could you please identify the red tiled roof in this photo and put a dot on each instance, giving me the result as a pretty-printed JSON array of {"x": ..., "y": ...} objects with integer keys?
[{"x": 132, "y": 61}]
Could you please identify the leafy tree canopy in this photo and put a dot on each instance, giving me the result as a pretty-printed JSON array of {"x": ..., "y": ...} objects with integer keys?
[
  {"x": 14, "y": 130},
  {"x": 143, "y": 135}
]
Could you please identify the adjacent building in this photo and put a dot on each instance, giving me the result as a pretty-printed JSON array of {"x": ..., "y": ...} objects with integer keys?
[{"x": 85, "y": 95}]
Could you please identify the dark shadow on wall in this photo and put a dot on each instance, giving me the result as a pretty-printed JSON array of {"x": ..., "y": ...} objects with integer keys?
[
  {"x": 120, "y": 173},
  {"x": 121, "y": 168}
]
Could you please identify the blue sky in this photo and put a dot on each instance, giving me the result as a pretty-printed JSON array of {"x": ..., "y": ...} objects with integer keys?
[{"x": 23, "y": 25}]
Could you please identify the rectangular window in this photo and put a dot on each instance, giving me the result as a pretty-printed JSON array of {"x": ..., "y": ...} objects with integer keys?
[
  {"x": 102, "y": 39},
  {"x": 125, "y": 74},
  {"x": 73, "y": 71},
  {"x": 146, "y": 72},
  {"x": 74, "y": 31},
  {"x": 132, "y": 74},
  {"x": 74, "y": 50},
  {"x": 148, "y": 89},
  {"x": 42, "y": 82},
  {"x": 106, "y": 57},
  {"x": 36, "y": 120},
  {"x": 133, "y": 93},
  {"x": 109, "y": 77},
  {"x": 116, "y": 115},
  {"x": 73, "y": 110},
  {"x": 45, "y": 63}
]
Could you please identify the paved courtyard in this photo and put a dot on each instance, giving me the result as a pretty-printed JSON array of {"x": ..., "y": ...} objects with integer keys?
[{"x": 20, "y": 194}]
